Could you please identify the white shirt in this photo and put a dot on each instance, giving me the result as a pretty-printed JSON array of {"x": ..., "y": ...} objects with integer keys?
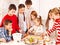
[
  {"x": 37, "y": 29},
  {"x": 51, "y": 22},
  {"x": 22, "y": 23}
]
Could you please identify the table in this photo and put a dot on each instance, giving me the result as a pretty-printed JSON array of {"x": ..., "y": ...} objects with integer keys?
[
  {"x": 52, "y": 42},
  {"x": 13, "y": 43}
]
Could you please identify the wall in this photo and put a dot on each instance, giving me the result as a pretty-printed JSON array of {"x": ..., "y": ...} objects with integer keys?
[
  {"x": 46, "y": 5},
  {"x": 41, "y": 6},
  {"x": 4, "y": 4}
]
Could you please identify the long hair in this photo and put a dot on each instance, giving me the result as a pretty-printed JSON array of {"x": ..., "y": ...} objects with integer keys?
[
  {"x": 40, "y": 19},
  {"x": 34, "y": 13},
  {"x": 47, "y": 21},
  {"x": 55, "y": 11}
]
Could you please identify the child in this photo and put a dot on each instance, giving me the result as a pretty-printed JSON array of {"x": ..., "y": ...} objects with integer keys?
[
  {"x": 37, "y": 29},
  {"x": 33, "y": 16},
  {"x": 5, "y": 32},
  {"x": 11, "y": 16},
  {"x": 49, "y": 24},
  {"x": 28, "y": 10},
  {"x": 56, "y": 26},
  {"x": 49, "y": 20},
  {"x": 21, "y": 16}
]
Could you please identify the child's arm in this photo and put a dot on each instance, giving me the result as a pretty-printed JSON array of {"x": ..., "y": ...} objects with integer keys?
[
  {"x": 53, "y": 28},
  {"x": 30, "y": 30},
  {"x": 2, "y": 40}
]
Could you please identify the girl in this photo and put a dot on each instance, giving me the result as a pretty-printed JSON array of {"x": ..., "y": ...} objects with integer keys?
[
  {"x": 56, "y": 16},
  {"x": 33, "y": 16},
  {"x": 49, "y": 24},
  {"x": 21, "y": 16},
  {"x": 37, "y": 29}
]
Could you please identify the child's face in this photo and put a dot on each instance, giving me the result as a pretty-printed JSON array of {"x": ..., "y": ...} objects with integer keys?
[
  {"x": 33, "y": 17},
  {"x": 9, "y": 27},
  {"x": 21, "y": 10},
  {"x": 37, "y": 22},
  {"x": 11, "y": 12},
  {"x": 28, "y": 6},
  {"x": 50, "y": 16},
  {"x": 55, "y": 16}
]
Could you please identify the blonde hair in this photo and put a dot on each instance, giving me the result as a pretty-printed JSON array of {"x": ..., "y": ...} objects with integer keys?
[{"x": 55, "y": 11}]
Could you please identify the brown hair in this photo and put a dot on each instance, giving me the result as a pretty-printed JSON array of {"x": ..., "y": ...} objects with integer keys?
[
  {"x": 28, "y": 2},
  {"x": 21, "y": 6},
  {"x": 12, "y": 6},
  {"x": 40, "y": 19},
  {"x": 55, "y": 11},
  {"x": 47, "y": 21},
  {"x": 34, "y": 13},
  {"x": 59, "y": 10},
  {"x": 6, "y": 22}
]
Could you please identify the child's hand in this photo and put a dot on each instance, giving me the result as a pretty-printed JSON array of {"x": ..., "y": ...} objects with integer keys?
[
  {"x": 2, "y": 40},
  {"x": 46, "y": 33},
  {"x": 29, "y": 31},
  {"x": 34, "y": 32}
]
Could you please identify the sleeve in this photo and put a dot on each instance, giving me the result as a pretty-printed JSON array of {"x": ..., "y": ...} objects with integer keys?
[
  {"x": 32, "y": 28},
  {"x": 16, "y": 24},
  {"x": 42, "y": 29},
  {"x": 53, "y": 28},
  {"x": 2, "y": 35}
]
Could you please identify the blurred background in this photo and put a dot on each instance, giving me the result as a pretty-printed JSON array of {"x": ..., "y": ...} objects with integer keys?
[{"x": 41, "y": 6}]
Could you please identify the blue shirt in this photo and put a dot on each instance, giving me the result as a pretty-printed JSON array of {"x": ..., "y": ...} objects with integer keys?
[{"x": 4, "y": 34}]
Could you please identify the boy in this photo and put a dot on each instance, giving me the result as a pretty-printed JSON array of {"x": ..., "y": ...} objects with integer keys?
[
  {"x": 28, "y": 10},
  {"x": 11, "y": 16},
  {"x": 5, "y": 32},
  {"x": 56, "y": 16},
  {"x": 21, "y": 16}
]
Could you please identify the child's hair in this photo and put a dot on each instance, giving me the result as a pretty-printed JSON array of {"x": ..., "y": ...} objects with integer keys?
[
  {"x": 39, "y": 19},
  {"x": 47, "y": 21},
  {"x": 34, "y": 13},
  {"x": 21, "y": 6},
  {"x": 12, "y": 6},
  {"x": 59, "y": 10},
  {"x": 28, "y": 2},
  {"x": 6, "y": 22},
  {"x": 55, "y": 11}
]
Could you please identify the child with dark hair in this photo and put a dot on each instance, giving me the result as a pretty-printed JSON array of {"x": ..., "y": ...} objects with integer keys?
[
  {"x": 21, "y": 17},
  {"x": 28, "y": 3},
  {"x": 11, "y": 16},
  {"x": 28, "y": 10},
  {"x": 5, "y": 32}
]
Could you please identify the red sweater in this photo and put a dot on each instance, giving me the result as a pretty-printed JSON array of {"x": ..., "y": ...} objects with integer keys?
[
  {"x": 56, "y": 26},
  {"x": 14, "y": 20}
]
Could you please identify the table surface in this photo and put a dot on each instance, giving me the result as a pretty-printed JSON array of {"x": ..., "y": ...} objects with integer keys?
[{"x": 23, "y": 43}]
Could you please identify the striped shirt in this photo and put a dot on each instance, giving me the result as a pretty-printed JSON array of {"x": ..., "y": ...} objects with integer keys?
[{"x": 56, "y": 26}]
